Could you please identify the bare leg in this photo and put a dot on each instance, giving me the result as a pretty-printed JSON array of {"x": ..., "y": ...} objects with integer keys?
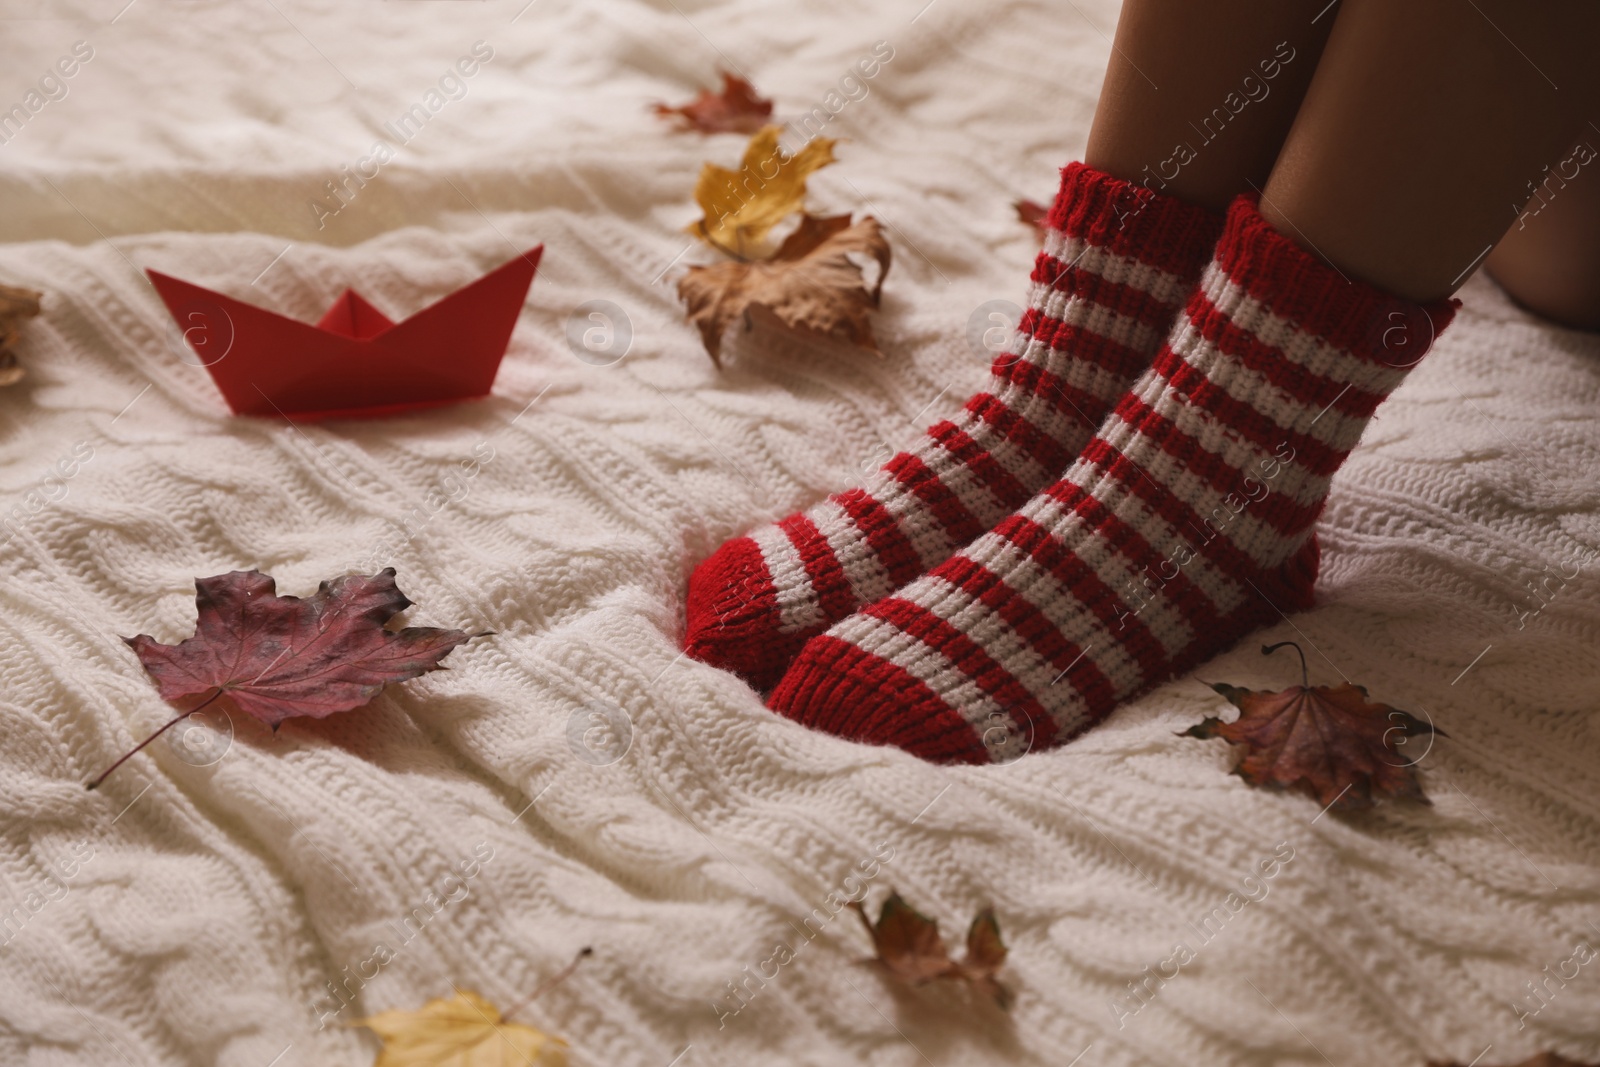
[
  {"x": 1549, "y": 260},
  {"x": 1424, "y": 122},
  {"x": 1198, "y": 97}
]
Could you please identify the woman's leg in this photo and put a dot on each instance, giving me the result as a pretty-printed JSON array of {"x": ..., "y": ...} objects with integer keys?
[
  {"x": 1186, "y": 523},
  {"x": 1198, "y": 97},
  {"x": 1549, "y": 260},
  {"x": 1424, "y": 123}
]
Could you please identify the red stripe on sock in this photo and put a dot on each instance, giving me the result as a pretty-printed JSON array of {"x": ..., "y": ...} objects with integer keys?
[
  {"x": 1132, "y": 220},
  {"x": 1192, "y": 601},
  {"x": 889, "y": 543},
  {"x": 1079, "y": 580},
  {"x": 959, "y": 523},
  {"x": 1222, "y": 553},
  {"x": 1014, "y": 428},
  {"x": 968, "y": 657},
  {"x": 1277, "y": 366},
  {"x": 828, "y": 579},
  {"x": 1001, "y": 483},
  {"x": 1073, "y": 279},
  {"x": 1083, "y": 344},
  {"x": 1248, "y": 422},
  {"x": 851, "y": 693},
  {"x": 1036, "y": 382},
  {"x": 1283, "y": 513},
  {"x": 1037, "y": 631}
]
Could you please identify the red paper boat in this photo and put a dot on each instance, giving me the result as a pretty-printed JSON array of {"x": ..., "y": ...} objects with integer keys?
[{"x": 354, "y": 362}]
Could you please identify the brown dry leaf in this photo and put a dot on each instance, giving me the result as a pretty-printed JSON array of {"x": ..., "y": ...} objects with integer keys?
[
  {"x": 811, "y": 286},
  {"x": 736, "y": 109},
  {"x": 741, "y": 206},
  {"x": 909, "y": 947},
  {"x": 15, "y": 305},
  {"x": 1330, "y": 743},
  {"x": 986, "y": 954},
  {"x": 1034, "y": 214}
]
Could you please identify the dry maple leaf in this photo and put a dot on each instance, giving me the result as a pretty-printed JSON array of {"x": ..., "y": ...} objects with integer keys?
[
  {"x": 811, "y": 286},
  {"x": 15, "y": 305},
  {"x": 986, "y": 954},
  {"x": 1034, "y": 214},
  {"x": 736, "y": 109},
  {"x": 909, "y": 947},
  {"x": 741, "y": 206},
  {"x": 467, "y": 1031},
  {"x": 278, "y": 657},
  {"x": 1330, "y": 743}
]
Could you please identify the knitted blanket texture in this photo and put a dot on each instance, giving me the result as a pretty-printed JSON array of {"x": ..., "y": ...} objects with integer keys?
[{"x": 236, "y": 897}]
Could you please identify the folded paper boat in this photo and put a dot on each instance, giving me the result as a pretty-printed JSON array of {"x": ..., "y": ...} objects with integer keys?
[{"x": 355, "y": 362}]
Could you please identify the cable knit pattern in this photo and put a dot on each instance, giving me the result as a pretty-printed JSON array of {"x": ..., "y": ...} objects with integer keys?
[{"x": 217, "y": 902}]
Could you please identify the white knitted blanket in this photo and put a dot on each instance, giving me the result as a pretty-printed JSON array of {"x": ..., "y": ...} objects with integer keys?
[{"x": 234, "y": 903}]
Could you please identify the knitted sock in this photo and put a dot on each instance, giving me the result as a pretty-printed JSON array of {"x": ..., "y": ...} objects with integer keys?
[
  {"x": 1184, "y": 524},
  {"x": 1117, "y": 263}
]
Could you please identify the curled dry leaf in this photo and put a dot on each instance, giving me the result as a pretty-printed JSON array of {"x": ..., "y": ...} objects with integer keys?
[
  {"x": 1034, "y": 214},
  {"x": 910, "y": 949},
  {"x": 811, "y": 286},
  {"x": 279, "y": 657},
  {"x": 15, "y": 305},
  {"x": 736, "y": 109},
  {"x": 1333, "y": 744},
  {"x": 741, "y": 206}
]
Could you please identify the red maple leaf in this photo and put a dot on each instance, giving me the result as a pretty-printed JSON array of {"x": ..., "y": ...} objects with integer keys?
[
  {"x": 736, "y": 109},
  {"x": 281, "y": 657},
  {"x": 1330, "y": 743}
]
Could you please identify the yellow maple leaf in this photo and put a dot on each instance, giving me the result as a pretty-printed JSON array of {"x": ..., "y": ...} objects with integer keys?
[
  {"x": 463, "y": 1031},
  {"x": 741, "y": 206}
]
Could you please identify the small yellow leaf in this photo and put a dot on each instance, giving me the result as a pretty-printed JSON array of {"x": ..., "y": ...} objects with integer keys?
[
  {"x": 769, "y": 186},
  {"x": 463, "y": 1031}
]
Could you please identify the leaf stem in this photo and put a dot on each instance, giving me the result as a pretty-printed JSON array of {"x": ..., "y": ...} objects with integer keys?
[
  {"x": 135, "y": 751},
  {"x": 1305, "y": 679},
  {"x": 548, "y": 984}
]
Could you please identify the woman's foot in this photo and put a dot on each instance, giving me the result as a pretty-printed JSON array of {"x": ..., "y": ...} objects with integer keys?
[
  {"x": 1185, "y": 524},
  {"x": 1116, "y": 266}
]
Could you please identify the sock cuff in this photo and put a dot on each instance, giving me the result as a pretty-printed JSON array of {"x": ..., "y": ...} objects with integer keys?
[
  {"x": 1368, "y": 323},
  {"x": 1133, "y": 220}
]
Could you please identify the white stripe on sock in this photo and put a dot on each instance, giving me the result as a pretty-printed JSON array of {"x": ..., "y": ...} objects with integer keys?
[{"x": 798, "y": 608}]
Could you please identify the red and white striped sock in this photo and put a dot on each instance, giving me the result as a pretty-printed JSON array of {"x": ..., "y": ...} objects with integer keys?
[
  {"x": 1185, "y": 524},
  {"x": 1118, "y": 261}
]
